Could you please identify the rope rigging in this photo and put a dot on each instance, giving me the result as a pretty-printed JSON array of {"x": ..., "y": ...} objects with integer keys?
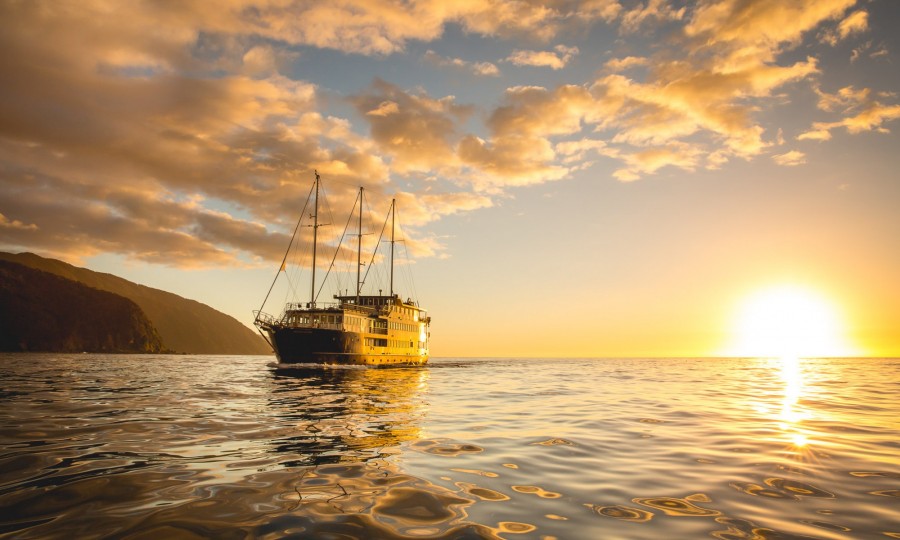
[{"x": 297, "y": 257}]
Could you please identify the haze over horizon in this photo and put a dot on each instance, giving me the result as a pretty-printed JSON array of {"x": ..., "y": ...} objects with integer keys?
[{"x": 602, "y": 178}]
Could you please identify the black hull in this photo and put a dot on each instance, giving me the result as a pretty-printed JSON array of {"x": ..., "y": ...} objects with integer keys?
[{"x": 336, "y": 347}]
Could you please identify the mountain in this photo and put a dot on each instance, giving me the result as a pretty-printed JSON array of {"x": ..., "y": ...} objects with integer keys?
[
  {"x": 186, "y": 326},
  {"x": 40, "y": 311}
]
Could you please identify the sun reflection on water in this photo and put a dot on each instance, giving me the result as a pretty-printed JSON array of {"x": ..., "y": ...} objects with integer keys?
[{"x": 792, "y": 414}]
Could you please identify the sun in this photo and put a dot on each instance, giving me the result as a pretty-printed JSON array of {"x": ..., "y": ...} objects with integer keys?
[{"x": 788, "y": 321}]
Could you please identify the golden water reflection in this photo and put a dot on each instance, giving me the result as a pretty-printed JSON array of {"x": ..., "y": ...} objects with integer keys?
[
  {"x": 341, "y": 415},
  {"x": 792, "y": 413}
]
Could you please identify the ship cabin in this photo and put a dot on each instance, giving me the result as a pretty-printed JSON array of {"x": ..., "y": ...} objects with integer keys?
[{"x": 385, "y": 322}]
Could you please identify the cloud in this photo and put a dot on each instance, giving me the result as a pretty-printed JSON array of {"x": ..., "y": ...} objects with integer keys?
[
  {"x": 539, "y": 111},
  {"x": 15, "y": 224},
  {"x": 617, "y": 65},
  {"x": 693, "y": 105},
  {"x": 790, "y": 159},
  {"x": 511, "y": 160},
  {"x": 844, "y": 99},
  {"x": 855, "y": 23},
  {"x": 860, "y": 110},
  {"x": 576, "y": 151},
  {"x": 606, "y": 10},
  {"x": 417, "y": 210},
  {"x": 519, "y": 150},
  {"x": 420, "y": 209},
  {"x": 484, "y": 69},
  {"x": 138, "y": 116},
  {"x": 870, "y": 118},
  {"x": 417, "y": 131},
  {"x": 653, "y": 10},
  {"x": 145, "y": 120},
  {"x": 758, "y": 30},
  {"x": 681, "y": 100},
  {"x": 385, "y": 108},
  {"x": 870, "y": 50},
  {"x": 381, "y": 27},
  {"x": 688, "y": 110},
  {"x": 511, "y": 17},
  {"x": 643, "y": 162},
  {"x": 265, "y": 60},
  {"x": 700, "y": 96},
  {"x": 817, "y": 133},
  {"x": 151, "y": 133},
  {"x": 556, "y": 59},
  {"x": 423, "y": 134},
  {"x": 76, "y": 227},
  {"x": 185, "y": 134}
]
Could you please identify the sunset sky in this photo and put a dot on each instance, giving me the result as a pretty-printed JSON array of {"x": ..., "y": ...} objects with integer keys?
[{"x": 601, "y": 178}]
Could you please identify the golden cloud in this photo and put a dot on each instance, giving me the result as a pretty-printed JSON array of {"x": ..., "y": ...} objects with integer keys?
[
  {"x": 113, "y": 137},
  {"x": 855, "y": 23},
  {"x": 6, "y": 223},
  {"x": 147, "y": 130},
  {"x": 423, "y": 208},
  {"x": 653, "y": 10},
  {"x": 556, "y": 59},
  {"x": 860, "y": 109},
  {"x": 790, "y": 159},
  {"x": 485, "y": 69},
  {"x": 576, "y": 151},
  {"x": 617, "y": 65},
  {"x": 416, "y": 130},
  {"x": 649, "y": 161},
  {"x": 844, "y": 99},
  {"x": 687, "y": 105},
  {"x": 760, "y": 28},
  {"x": 510, "y": 160},
  {"x": 872, "y": 117},
  {"x": 536, "y": 110},
  {"x": 606, "y": 10}
]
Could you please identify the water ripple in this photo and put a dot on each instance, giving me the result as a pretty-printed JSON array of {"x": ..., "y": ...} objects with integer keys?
[{"x": 169, "y": 446}]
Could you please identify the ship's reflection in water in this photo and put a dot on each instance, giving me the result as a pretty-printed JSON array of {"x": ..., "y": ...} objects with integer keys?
[
  {"x": 346, "y": 426},
  {"x": 346, "y": 414}
]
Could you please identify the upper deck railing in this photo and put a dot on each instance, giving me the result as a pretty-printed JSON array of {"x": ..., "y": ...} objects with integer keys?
[
  {"x": 335, "y": 315},
  {"x": 265, "y": 319}
]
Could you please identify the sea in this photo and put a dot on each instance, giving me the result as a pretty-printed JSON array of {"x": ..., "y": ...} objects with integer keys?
[{"x": 159, "y": 447}]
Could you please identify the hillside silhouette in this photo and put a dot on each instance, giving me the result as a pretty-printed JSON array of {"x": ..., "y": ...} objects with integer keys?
[
  {"x": 185, "y": 326},
  {"x": 43, "y": 312}
]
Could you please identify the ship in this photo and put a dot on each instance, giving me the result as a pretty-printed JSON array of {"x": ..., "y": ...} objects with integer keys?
[{"x": 375, "y": 330}]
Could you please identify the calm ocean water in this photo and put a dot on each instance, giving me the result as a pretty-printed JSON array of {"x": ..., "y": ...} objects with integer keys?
[{"x": 108, "y": 446}]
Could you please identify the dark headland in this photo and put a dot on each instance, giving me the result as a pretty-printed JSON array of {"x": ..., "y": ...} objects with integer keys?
[{"x": 57, "y": 307}]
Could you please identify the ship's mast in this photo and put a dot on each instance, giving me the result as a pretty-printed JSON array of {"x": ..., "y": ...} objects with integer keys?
[
  {"x": 312, "y": 287},
  {"x": 393, "y": 217},
  {"x": 359, "y": 244}
]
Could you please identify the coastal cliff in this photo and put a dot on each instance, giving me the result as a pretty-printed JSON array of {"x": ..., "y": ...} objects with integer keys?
[
  {"x": 43, "y": 312},
  {"x": 185, "y": 326}
]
